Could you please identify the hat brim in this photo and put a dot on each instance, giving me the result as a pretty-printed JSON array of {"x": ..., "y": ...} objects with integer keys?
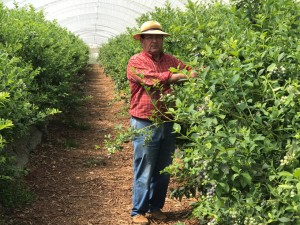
[{"x": 138, "y": 35}]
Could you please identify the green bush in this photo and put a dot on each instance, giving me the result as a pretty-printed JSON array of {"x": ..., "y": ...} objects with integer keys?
[
  {"x": 40, "y": 74},
  {"x": 17, "y": 111},
  {"x": 57, "y": 53},
  {"x": 41, "y": 65},
  {"x": 240, "y": 118},
  {"x": 238, "y": 123},
  {"x": 16, "y": 104}
]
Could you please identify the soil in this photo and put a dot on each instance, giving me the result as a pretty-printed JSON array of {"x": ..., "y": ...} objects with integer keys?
[{"x": 74, "y": 179}]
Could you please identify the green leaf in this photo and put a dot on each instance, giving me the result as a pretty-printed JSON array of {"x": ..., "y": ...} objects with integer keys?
[
  {"x": 208, "y": 145},
  {"x": 221, "y": 134},
  {"x": 280, "y": 57},
  {"x": 260, "y": 72},
  {"x": 235, "y": 169},
  {"x": 247, "y": 178},
  {"x": 234, "y": 176},
  {"x": 232, "y": 122},
  {"x": 284, "y": 219},
  {"x": 286, "y": 186},
  {"x": 5, "y": 124},
  {"x": 234, "y": 53},
  {"x": 219, "y": 127},
  {"x": 177, "y": 127},
  {"x": 173, "y": 70},
  {"x": 242, "y": 106},
  {"x": 285, "y": 174},
  {"x": 224, "y": 186},
  {"x": 232, "y": 140},
  {"x": 271, "y": 67},
  {"x": 191, "y": 108},
  {"x": 208, "y": 49},
  {"x": 297, "y": 172},
  {"x": 235, "y": 78},
  {"x": 222, "y": 116},
  {"x": 248, "y": 83},
  {"x": 178, "y": 102},
  {"x": 4, "y": 96},
  {"x": 298, "y": 187},
  {"x": 258, "y": 137}
]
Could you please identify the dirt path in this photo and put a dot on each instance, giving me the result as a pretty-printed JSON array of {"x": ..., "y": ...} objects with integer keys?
[{"x": 77, "y": 183}]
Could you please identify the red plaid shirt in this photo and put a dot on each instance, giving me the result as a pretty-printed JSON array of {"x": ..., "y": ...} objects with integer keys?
[{"x": 146, "y": 76}]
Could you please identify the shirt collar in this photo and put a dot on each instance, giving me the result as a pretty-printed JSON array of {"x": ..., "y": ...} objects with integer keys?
[{"x": 150, "y": 56}]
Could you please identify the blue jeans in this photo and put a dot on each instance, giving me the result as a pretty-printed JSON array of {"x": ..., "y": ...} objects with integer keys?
[{"x": 150, "y": 185}]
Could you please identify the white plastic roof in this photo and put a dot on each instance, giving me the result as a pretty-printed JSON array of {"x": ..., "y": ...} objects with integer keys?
[{"x": 95, "y": 21}]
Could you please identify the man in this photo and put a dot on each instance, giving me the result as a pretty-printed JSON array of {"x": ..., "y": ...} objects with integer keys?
[{"x": 149, "y": 77}]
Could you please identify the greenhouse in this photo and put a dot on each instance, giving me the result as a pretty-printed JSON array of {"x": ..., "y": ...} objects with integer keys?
[
  {"x": 95, "y": 21},
  {"x": 175, "y": 112}
]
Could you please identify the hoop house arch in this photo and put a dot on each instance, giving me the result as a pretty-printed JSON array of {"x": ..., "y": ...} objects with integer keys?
[{"x": 95, "y": 21}]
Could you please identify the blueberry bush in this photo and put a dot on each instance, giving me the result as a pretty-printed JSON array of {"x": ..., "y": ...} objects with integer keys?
[{"x": 40, "y": 74}]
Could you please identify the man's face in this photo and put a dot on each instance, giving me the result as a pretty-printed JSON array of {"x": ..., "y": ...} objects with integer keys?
[{"x": 152, "y": 43}]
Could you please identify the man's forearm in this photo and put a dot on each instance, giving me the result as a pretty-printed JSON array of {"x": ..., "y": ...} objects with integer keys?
[{"x": 176, "y": 77}]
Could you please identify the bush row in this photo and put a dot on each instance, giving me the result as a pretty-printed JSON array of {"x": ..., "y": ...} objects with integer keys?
[
  {"x": 238, "y": 123},
  {"x": 40, "y": 73}
]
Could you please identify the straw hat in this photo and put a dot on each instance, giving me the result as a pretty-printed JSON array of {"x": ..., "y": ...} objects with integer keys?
[{"x": 150, "y": 27}]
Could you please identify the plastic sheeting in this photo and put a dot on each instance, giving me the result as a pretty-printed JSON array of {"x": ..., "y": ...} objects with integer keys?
[{"x": 95, "y": 21}]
